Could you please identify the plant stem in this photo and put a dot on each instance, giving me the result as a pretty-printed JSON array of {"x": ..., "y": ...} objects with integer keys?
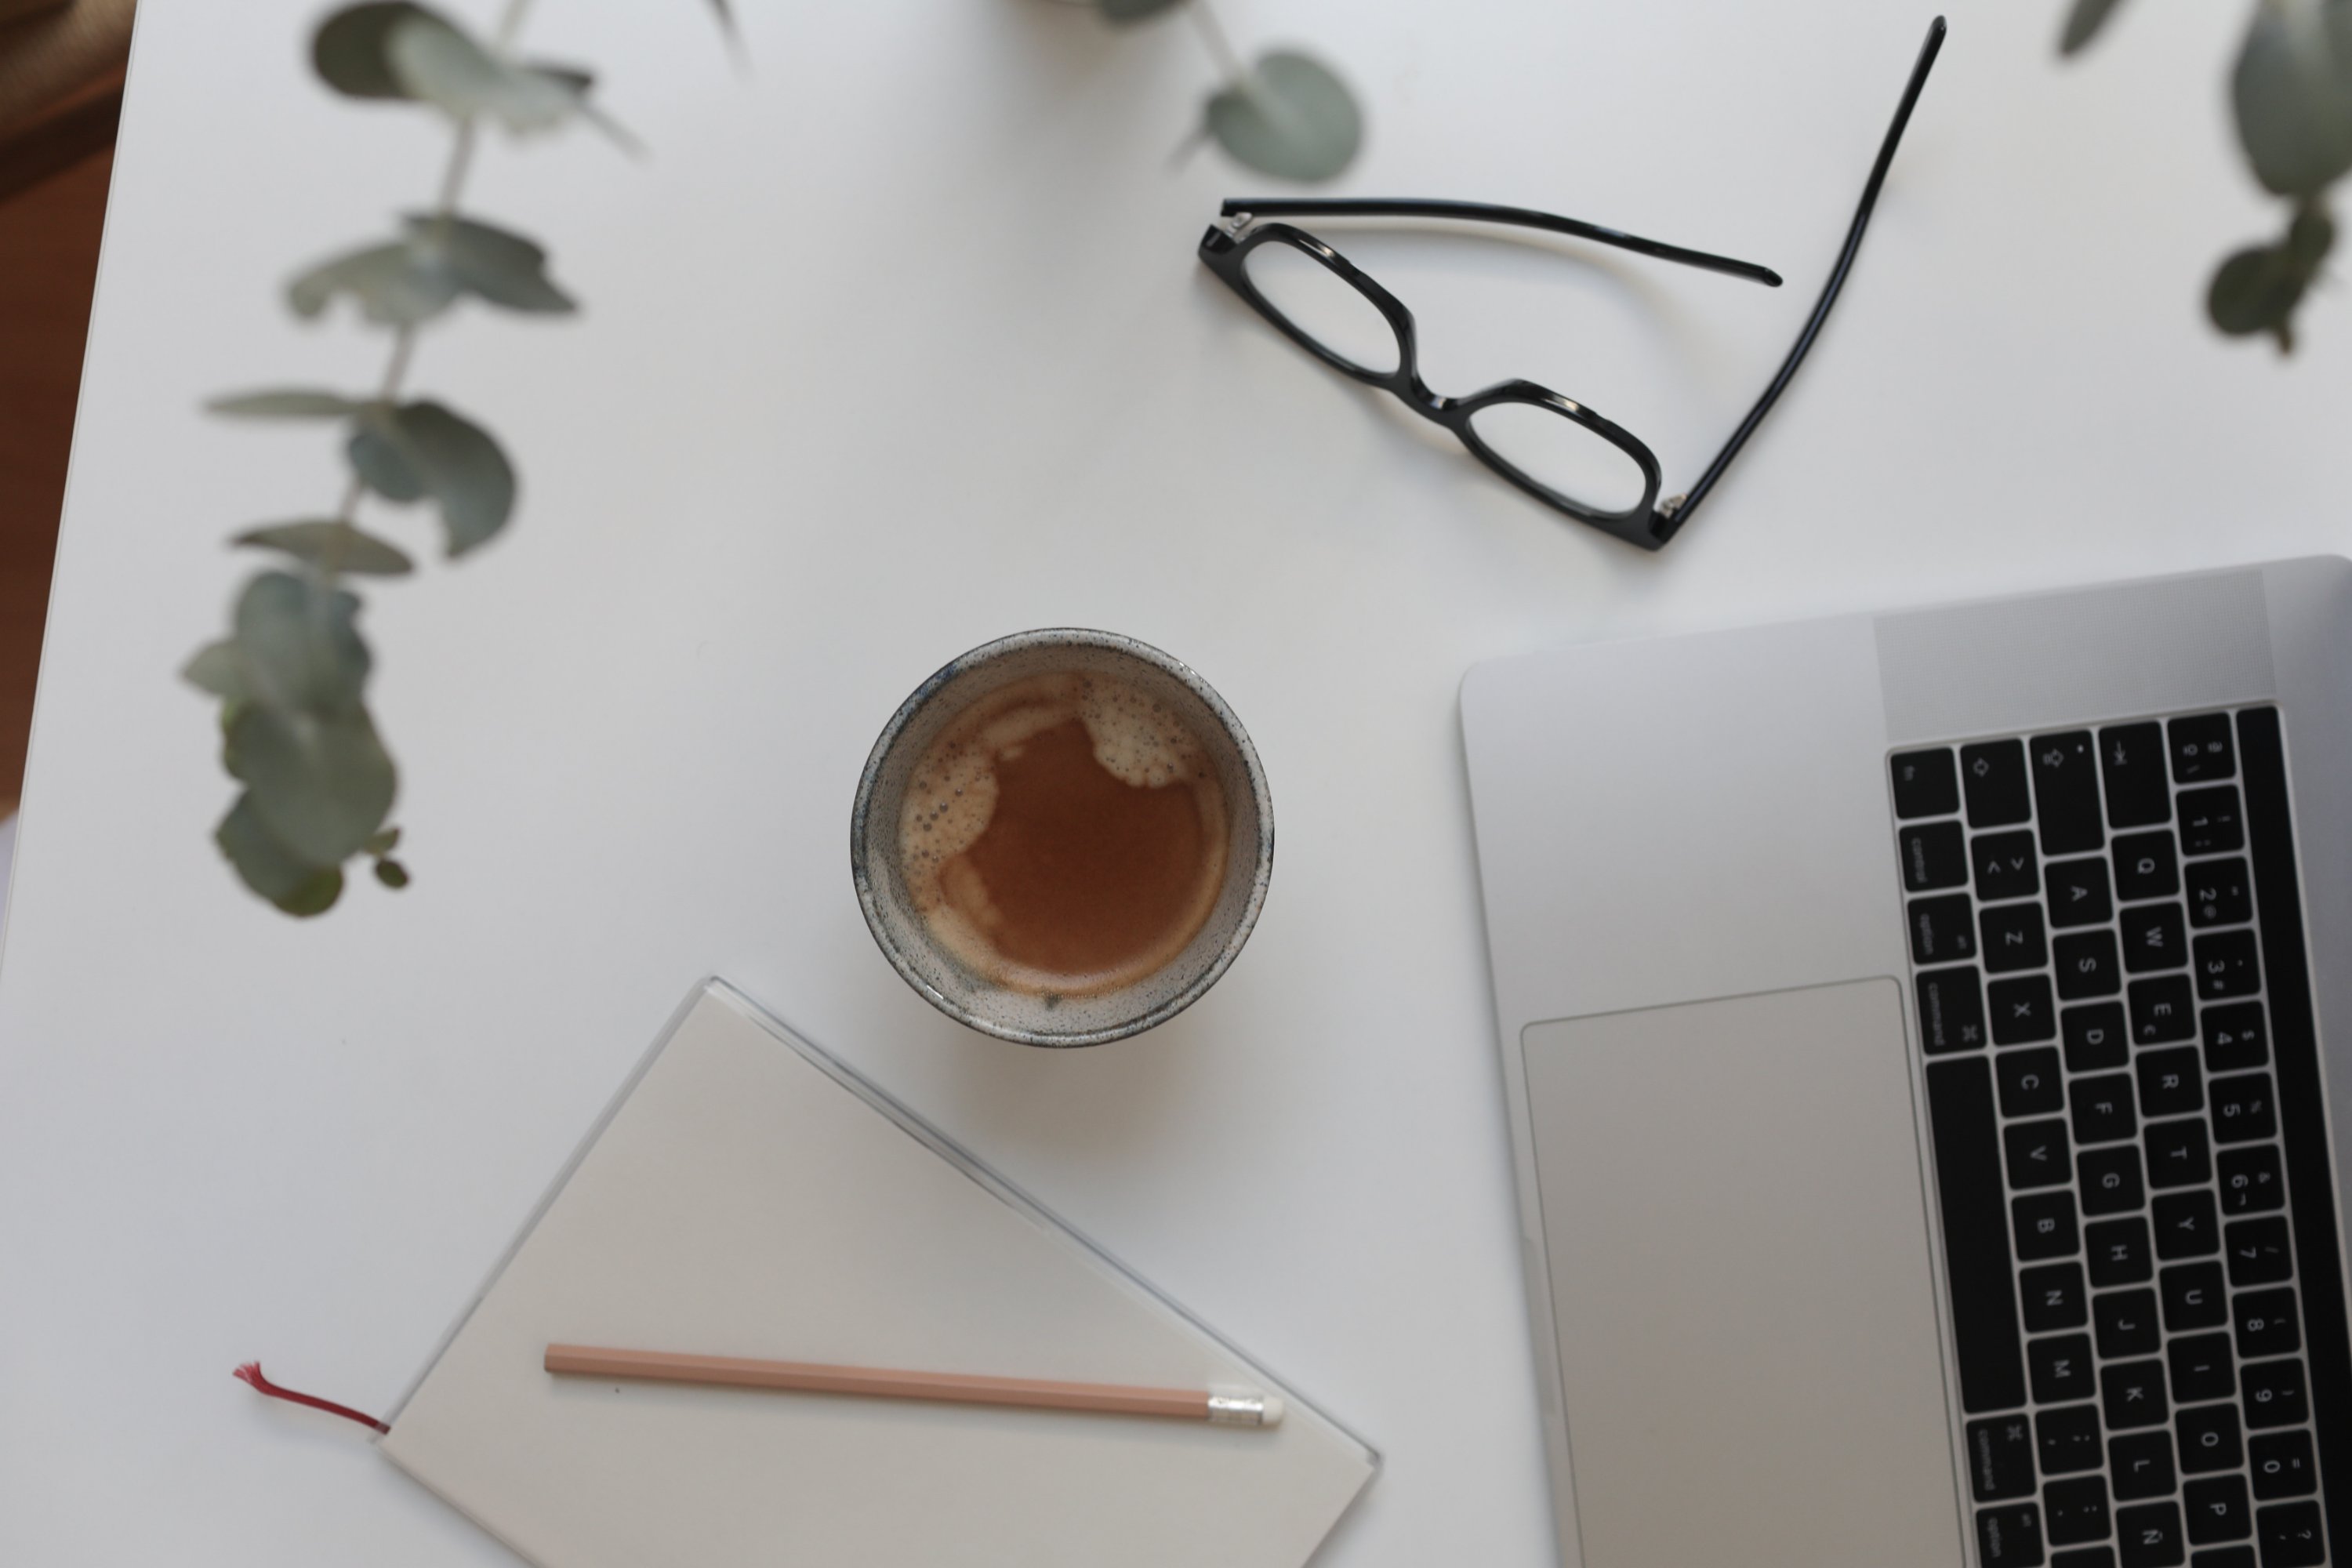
[{"x": 1219, "y": 47}]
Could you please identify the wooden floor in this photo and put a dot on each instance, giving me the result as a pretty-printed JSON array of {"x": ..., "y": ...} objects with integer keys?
[{"x": 49, "y": 258}]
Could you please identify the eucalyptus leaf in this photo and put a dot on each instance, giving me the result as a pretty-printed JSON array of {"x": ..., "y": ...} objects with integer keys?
[
  {"x": 2084, "y": 21},
  {"x": 462, "y": 468},
  {"x": 321, "y": 783},
  {"x": 2258, "y": 288},
  {"x": 441, "y": 64},
  {"x": 332, "y": 545},
  {"x": 300, "y": 645},
  {"x": 391, "y": 874},
  {"x": 496, "y": 264},
  {"x": 290, "y": 403},
  {"x": 271, "y": 869},
  {"x": 1290, "y": 117},
  {"x": 348, "y": 49},
  {"x": 2293, "y": 91},
  {"x": 383, "y": 843},
  {"x": 1133, "y": 10},
  {"x": 390, "y": 283},
  {"x": 218, "y": 667}
]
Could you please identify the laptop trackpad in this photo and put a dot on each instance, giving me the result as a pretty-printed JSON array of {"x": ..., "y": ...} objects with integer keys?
[{"x": 1736, "y": 1215}]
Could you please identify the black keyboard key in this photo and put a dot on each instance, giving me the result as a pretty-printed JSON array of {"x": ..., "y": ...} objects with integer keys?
[
  {"x": 2219, "y": 893},
  {"x": 2052, "y": 1297},
  {"x": 1951, "y": 1010},
  {"x": 2102, "y": 1107},
  {"x": 1976, "y": 1234},
  {"x": 2006, "y": 865},
  {"x": 2124, "y": 1321},
  {"x": 2087, "y": 964},
  {"x": 2236, "y": 1037},
  {"x": 2095, "y": 1036},
  {"x": 2078, "y": 893},
  {"x": 2201, "y": 749},
  {"x": 2217, "y": 1510},
  {"x": 2066, "y": 793},
  {"x": 2000, "y": 1458},
  {"x": 2225, "y": 965},
  {"x": 2291, "y": 1535},
  {"x": 2117, "y": 1252},
  {"x": 2245, "y": 1108},
  {"x": 2131, "y": 1393},
  {"x": 2109, "y": 1181},
  {"x": 2250, "y": 1180},
  {"x": 2023, "y": 1010},
  {"x": 2140, "y": 1464},
  {"x": 2258, "y": 1252},
  {"x": 2148, "y": 1536},
  {"x": 2062, "y": 1369},
  {"x": 2145, "y": 866},
  {"x": 1935, "y": 856},
  {"x": 2171, "y": 1083},
  {"x": 1925, "y": 783},
  {"x": 2210, "y": 1439},
  {"x": 2009, "y": 1537},
  {"x": 2267, "y": 1324},
  {"x": 2223, "y": 1557},
  {"x": 2014, "y": 938},
  {"x": 2037, "y": 1154},
  {"x": 2086, "y": 1557},
  {"x": 2275, "y": 1394},
  {"x": 2074, "y": 1512},
  {"x": 2283, "y": 1465},
  {"x": 2202, "y": 1368},
  {"x": 1992, "y": 774},
  {"x": 2186, "y": 1224},
  {"x": 2138, "y": 793},
  {"x": 2154, "y": 938},
  {"x": 1943, "y": 930},
  {"x": 2210, "y": 822},
  {"x": 2162, "y": 1010},
  {"x": 2031, "y": 1083},
  {"x": 2194, "y": 1297},
  {"x": 2044, "y": 1224},
  {"x": 2068, "y": 1439},
  {"x": 2176, "y": 1153}
]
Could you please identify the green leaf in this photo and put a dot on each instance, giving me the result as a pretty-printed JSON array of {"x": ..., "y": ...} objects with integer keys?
[
  {"x": 300, "y": 645},
  {"x": 383, "y": 843},
  {"x": 2257, "y": 289},
  {"x": 2293, "y": 90},
  {"x": 391, "y": 287},
  {"x": 218, "y": 667},
  {"x": 496, "y": 264},
  {"x": 437, "y": 62},
  {"x": 321, "y": 783},
  {"x": 271, "y": 869},
  {"x": 391, "y": 874},
  {"x": 1289, "y": 117},
  {"x": 331, "y": 546},
  {"x": 425, "y": 448},
  {"x": 290, "y": 403},
  {"x": 348, "y": 49},
  {"x": 1133, "y": 10},
  {"x": 2084, "y": 21}
]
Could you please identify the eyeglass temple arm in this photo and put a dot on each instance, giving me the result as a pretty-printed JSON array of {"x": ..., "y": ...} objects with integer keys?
[
  {"x": 1669, "y": 518},
  {"x": 1484, "y": 211}
]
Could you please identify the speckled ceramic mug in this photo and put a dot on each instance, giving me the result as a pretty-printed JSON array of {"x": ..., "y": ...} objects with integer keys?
[{"x": 1037, "y": 1019}]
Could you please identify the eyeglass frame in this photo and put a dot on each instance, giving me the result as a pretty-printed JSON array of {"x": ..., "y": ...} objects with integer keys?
[{"x": 1649, "y": 523}]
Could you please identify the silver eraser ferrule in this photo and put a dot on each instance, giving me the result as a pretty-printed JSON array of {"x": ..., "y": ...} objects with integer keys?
[{"x": 1243, "y": 1409}]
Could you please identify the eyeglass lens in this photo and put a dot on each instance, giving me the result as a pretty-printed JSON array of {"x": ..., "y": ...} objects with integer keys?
[
  {"x": 1552, "y": 450},
  {"x": 1324, "y": 306}
]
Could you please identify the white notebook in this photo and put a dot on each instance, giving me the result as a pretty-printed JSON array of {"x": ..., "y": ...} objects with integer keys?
[{"x": 748, "y": 1196}]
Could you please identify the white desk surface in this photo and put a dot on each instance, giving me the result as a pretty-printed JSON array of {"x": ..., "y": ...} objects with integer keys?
[{"x": 891, "y": 346}]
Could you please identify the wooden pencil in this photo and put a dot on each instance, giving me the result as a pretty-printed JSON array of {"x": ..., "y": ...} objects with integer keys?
[{"x": 1222, "y": 1408}]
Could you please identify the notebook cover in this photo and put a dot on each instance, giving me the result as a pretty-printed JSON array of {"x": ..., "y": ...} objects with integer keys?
[{"x": 747, "y": 1194}]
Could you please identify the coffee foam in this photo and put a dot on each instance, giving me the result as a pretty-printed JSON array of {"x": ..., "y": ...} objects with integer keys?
[{"x": 951, "y": 798}]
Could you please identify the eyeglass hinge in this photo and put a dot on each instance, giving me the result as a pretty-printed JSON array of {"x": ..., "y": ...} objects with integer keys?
[
  {"x": 1672, "y": 505},
  {"x": 1233, "y": 223}
]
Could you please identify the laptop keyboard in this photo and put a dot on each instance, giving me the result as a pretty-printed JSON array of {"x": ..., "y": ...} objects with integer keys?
[{"x": 2130, "y": 1144}]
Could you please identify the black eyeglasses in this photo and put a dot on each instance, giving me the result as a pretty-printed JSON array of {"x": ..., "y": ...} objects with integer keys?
[{"x": 1556, "y": 449}]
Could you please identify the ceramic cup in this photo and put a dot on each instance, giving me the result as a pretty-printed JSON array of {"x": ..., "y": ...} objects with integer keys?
[{"x": 1030, "y": 1019}]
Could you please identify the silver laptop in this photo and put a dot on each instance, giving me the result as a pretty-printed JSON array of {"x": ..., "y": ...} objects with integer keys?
[{"x": 1915, "y": 1031}]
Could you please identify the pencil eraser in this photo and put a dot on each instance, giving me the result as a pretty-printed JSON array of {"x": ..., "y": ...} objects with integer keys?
[{"x": 1272, "y": 1415}]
